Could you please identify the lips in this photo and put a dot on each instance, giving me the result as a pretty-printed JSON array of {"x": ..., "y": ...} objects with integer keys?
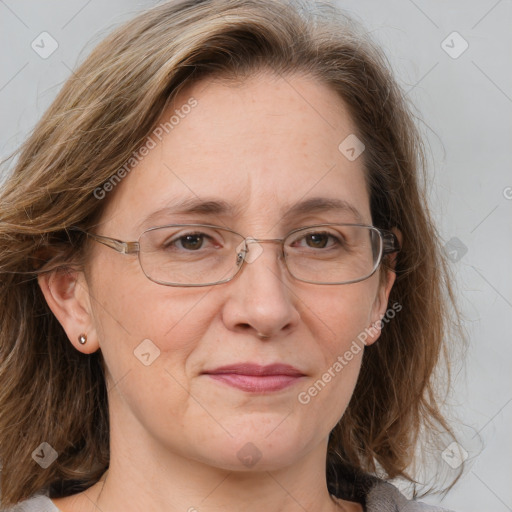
[
  {"x": 256, "y": 370},
  {"x": 256, "y": 378}
]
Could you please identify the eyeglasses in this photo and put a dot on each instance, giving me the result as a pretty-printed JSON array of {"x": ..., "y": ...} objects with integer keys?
[{"x": 206, "y": 255}]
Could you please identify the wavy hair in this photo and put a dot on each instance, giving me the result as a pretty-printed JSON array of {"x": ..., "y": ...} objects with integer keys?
[{"x": 104, "y": 112}]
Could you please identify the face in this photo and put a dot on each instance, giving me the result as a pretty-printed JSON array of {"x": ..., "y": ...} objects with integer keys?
[{"x": 262, "y": 146}]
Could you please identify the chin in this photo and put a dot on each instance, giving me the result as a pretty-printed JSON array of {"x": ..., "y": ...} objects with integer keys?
[
  {"x": 252, "y": 457},
  {"x": 258, "y": 446}
]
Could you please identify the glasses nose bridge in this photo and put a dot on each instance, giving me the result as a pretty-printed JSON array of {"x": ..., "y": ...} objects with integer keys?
[{"x": 251, "y": 240}]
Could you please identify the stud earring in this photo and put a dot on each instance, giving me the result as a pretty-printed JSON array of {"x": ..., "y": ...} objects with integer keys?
[{"x": 82, "y": 339}]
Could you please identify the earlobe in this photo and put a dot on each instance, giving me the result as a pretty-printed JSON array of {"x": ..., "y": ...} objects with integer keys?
[{"x": 67, "y": 295}]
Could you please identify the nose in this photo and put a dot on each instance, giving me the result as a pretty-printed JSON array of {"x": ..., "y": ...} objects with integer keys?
[{"x": 260, "y": 298}]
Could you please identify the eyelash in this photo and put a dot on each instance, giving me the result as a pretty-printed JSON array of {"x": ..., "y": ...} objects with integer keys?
[{"x": 204, "y": 236}]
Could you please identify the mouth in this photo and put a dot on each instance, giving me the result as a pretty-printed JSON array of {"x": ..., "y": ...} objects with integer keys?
[{"x": 256, "y": 378}]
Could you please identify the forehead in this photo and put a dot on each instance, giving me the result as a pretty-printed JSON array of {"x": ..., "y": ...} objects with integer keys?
[{"x": 259, "y": 145}]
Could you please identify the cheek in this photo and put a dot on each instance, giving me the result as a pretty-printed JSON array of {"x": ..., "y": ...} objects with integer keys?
[
  {"x": 147, "y": 334},
  {"x": 336, "y": 317},
  {"x": 338, "y": 314},
  {"x": 135, "y": 316}
]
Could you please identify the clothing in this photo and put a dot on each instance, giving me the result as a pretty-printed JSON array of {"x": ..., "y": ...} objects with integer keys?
[
  {"x": 34, "y": 504},
  {"x": 379, "y": 496},
  {"x": 384, "y": 497},
  {"x": 374, "y": 494}
]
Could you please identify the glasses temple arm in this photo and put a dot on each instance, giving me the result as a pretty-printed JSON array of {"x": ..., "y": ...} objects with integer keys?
[
  {"x": 390, "y": 242},
  {"x": 117, "y": 245}
]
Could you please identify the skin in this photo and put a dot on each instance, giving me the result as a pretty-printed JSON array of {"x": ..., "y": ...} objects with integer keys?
[{"x": 262, "y": 145}]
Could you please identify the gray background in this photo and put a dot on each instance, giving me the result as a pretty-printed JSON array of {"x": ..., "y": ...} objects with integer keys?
[{"x": 466, "y": 107}]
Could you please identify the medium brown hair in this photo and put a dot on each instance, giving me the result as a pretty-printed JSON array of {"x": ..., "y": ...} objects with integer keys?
[{"x": 108, "y": 107}]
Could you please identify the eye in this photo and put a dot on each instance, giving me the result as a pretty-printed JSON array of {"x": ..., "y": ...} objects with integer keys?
[
  {"x": 319, "y": 240},
  {"x": 192, "y": 242},
  {"x": 189, "y": 242}
]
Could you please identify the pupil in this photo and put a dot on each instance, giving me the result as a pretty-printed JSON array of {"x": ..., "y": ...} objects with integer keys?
[
  {"x": 189, "y": 240},
  {"x": 319, "y": 240}
]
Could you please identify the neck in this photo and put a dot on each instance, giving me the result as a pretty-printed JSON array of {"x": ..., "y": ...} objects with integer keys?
[{"x": 170, "y": 483}]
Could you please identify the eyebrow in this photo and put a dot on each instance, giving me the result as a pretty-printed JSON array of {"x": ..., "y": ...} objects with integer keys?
[{"x": 212, "y": 206}]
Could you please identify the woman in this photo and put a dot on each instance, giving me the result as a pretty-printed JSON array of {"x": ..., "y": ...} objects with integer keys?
[{"x": 221, "y": 287}]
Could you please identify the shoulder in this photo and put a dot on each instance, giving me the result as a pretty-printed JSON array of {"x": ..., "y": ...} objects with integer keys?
[
  {"x": 34, "y": 504},
  {"x": 383, "y": 497}
]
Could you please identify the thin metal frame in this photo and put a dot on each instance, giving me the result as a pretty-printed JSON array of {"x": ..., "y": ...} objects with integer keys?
[{"x": 389, "y": 245}]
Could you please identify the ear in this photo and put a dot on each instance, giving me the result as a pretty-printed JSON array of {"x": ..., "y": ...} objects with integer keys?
[
  {"x": 67, "y": 295},
  {"x": 380, "y": 303}
]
